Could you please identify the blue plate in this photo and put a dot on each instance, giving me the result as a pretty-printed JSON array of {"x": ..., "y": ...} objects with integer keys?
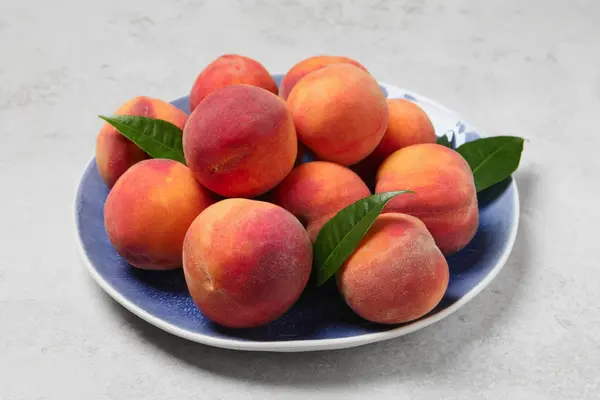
[{"x": 320, "y": 320}]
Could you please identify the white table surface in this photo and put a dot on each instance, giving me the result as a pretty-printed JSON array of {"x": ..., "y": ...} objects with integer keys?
[{"x": 528, "y": 68}]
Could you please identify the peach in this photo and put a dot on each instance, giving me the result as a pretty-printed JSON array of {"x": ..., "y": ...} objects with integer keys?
[
  {"x": 340, "y": 113},
  {"x": 309, "y": 65},
  {"x": 445, "y": 198},
  {"x": 408, "y": 124},
  {"x": 396, "y": 274},
  {"x": 149, "y": 210},
  {"x": 240, "y": 141},
  {"x": 246, "y": 262},
  {"x": 314, "y": 192},
  {"x": 114, "y": 152},
  {"x": 230, "y": 69}
]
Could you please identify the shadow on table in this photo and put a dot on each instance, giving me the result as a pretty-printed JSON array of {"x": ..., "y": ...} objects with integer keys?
[{"x": 440, "y": 347}]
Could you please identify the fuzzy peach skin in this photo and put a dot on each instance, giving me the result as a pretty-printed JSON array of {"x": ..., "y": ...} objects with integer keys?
[
  {"x": 114, "y": 152},
  {"x": 445, "y": 198},
  {"x": 240, "y": 141},
  {"x": 314, "y": 192},
  {"x": 246, "y": 262},
  {"x": 227, "y": 70},
  {"x": 309, "y": 65},
  {"x": 340, "y": 113},
  {"x": 408, "y": 124},
  {"x": 149, "y": 210},
  {"x": 397, "y": 274}
]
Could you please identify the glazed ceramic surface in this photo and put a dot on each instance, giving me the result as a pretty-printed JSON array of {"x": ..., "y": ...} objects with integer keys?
[{"x": 320, "y": 320}]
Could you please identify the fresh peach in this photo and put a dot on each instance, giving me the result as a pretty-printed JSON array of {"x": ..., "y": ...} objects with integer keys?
[
  {"x": 114, "y": 152},
  {"x": 315, "y": 191},
  {"x": 396, "y": 274},
  {"x": 340, "y": 113},
  {"x": 240, "y": 141},
  {"x": 408, "y": 124},
  {"x": 445, "y": 198},
  {"x": 246, "y": 262},
  {"x": 230, "y": 69},
  {"x": 309, "y": 65},
  {"x": 149, "y": 210}
]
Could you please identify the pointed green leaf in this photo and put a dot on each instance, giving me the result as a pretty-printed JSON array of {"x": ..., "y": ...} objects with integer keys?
[
  {"x": 339, "y": 237},
  {"x": 158, "y": 138},
  {"x": 492, "y": 159},
  {"x": 445, "y": 140}
]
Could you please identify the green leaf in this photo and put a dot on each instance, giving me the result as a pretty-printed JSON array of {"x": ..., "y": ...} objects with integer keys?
[
  {"x": 492, "y": 159},
  {"x": 445, "y": 140},
  {"x": 158, "y": 138},
  {"x": 339, "y": 237}
]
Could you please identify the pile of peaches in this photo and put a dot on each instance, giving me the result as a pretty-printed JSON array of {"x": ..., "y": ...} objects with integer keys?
[{"x": 241, "y": 215}]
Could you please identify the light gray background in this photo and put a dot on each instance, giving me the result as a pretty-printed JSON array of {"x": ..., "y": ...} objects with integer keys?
[{"x": 527, "y": 68}]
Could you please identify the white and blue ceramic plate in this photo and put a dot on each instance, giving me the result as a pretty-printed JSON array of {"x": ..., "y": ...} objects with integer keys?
[{"x": 320, "y": 320}]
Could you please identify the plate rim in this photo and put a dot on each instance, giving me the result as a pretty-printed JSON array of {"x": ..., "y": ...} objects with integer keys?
[{"x": 309, "y": 344}]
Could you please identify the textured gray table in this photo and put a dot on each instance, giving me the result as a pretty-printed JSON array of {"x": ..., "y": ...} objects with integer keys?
[{"x": 528, "y": 68}]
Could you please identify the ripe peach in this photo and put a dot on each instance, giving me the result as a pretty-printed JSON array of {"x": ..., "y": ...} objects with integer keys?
[
  {"x": 114, "y": 152},
  {"x": 445, "y": 198},
  {"x": 396, "y": 274},
  {"x": 149, "y": 210},
  {"x": 340, "y": 113},
  {"x": 227, "y": 70},
  {"x": 309, "y": 65},
  {"x": 408, "y": 124},
  {"x": 314, "y": 192},
  {"x": 246, "y": 262},
  {"x": 240, "y": 141}
]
